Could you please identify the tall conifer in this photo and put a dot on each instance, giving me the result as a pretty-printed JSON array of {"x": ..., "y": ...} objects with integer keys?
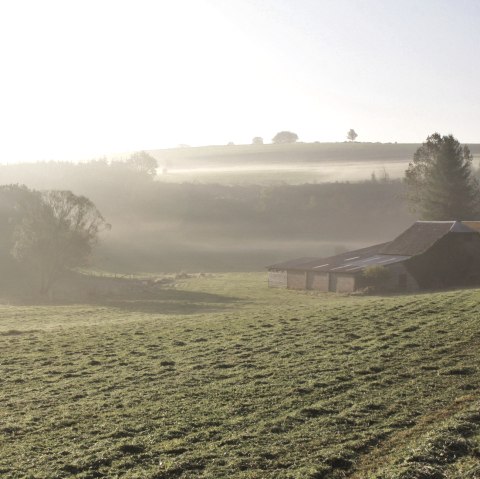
[{"x": 440, "y": 181}]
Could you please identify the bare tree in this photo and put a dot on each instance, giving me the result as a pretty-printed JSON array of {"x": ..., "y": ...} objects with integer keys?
[
  {"x": 57, "y": 232},
  {"x": 143, "y": 162}
]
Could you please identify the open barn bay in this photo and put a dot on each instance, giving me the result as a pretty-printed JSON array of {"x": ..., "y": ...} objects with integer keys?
[{"x": 221, "y": 377}]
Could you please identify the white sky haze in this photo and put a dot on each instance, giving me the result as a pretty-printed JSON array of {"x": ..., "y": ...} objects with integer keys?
[{"x": 87, "y": 78}]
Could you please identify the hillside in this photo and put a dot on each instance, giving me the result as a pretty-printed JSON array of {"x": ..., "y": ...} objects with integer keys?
[
  {"x": 291, "y": 163},
  {"x": 221, "y": 377},
  {"x": 299, "y": 152}
]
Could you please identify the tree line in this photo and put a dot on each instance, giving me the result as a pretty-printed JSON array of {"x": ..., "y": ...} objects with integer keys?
[{"x": 286, "y": 136}]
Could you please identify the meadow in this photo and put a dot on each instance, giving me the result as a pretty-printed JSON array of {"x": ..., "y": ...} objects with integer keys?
[{"x": 220, "y": 376}]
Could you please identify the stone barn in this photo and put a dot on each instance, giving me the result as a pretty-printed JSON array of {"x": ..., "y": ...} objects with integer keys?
[{"x": 428, "y": 255}]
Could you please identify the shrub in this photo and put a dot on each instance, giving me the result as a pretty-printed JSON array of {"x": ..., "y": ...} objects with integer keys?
[{"x": 375, "y": 277}]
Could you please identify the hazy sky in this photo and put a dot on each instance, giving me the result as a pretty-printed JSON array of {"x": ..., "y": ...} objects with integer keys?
[{"x": 83, "y": 78}]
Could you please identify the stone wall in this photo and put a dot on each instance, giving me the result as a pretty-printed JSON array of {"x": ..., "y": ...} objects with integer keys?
[{"x": 396, "y": 283}]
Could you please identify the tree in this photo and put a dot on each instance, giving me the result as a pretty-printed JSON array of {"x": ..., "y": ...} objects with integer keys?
[
  {"x": 285, "y": 137},
  {"x": 142, "y": 162},
  {"x": 440, "y": 183},
  {"x": 57, "y": 232},
  {"x": 351, "y": 135},
  {"x": 14, "y": 200},
  {"x": 258, "y": 140}
]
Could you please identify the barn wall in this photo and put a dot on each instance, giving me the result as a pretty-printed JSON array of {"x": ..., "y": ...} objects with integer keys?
[
  {"x": 396, "y": 283},
  {"x": 297, "y": 280},
  {"x": 277, "y": 279},
  {"x": 345, "y": 283},
  {"x": 453, "y": 261},
  {"x": 317, "y": 281},
  {"x": 399, "y": 280}
]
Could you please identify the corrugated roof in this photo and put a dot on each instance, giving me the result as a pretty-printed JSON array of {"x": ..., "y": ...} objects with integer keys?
[
  {"x": 292, "y": 264},
  {"x": 422, "y": 235},
  {"x": 352, "y": 261},
  {"x": 325, "y": 263},
  {"x": 354, "y": 265}
]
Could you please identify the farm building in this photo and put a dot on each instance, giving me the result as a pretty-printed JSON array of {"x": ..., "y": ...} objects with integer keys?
[{"x": 428, "y": 255}]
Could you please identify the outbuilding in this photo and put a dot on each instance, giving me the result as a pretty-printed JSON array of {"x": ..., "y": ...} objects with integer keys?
[{"x": 428, "y": 255}]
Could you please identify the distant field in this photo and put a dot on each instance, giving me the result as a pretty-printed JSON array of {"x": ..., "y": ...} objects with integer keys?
[
  {"x": 222, "y": 377},
  {"x": 295, "y": 163}
]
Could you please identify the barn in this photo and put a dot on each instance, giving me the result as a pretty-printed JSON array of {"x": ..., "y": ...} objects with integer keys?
[{"x": 428, "y": 255}]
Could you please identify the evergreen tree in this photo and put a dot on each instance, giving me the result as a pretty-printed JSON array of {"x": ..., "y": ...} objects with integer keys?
[{"x": 440, "y": 183}]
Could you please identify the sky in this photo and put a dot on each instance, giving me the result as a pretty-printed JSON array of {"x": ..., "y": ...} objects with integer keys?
[{"x": 87, "y": 78}]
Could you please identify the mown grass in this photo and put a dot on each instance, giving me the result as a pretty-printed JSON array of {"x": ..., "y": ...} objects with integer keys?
[{"x": 225, "y": 378}]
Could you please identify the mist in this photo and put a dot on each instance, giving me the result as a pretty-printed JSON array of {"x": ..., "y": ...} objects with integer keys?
[
  {"x": 243, "y": 219},
  {"x": 239, "y": 239}
]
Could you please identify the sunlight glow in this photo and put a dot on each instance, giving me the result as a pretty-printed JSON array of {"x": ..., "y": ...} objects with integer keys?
[{"x": 92, "y": 78}]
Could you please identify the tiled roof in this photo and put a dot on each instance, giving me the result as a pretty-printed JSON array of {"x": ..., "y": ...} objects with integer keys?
[
  {"x": 474, "y": 225},
  {"x": 422, "y": 235}
]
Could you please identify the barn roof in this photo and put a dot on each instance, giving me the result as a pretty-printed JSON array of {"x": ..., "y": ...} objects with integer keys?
[
  {"x": 355, "y": 261},
  {"x": 292, "y": 264},
  {"x": 422, "y": 235},
  {"x": 324, "y": 263},
  {"x": 474, "y": 225},
  {"x": 352, "y": 261},
  {"x": 413, "y": 241}
]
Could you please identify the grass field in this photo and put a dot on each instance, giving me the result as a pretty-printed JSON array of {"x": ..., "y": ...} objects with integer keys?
[{"x": 221, "y": 377}]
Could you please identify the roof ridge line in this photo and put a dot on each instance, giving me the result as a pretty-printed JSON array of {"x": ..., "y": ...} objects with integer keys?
[{"x": 442, "y": 221}]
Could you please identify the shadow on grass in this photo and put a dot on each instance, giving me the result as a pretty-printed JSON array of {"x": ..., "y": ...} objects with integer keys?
[
  {"x": 161, "y": 301},
  {"x": 418, "y": 292},
  {"x": 163, "y": 307},
  {"x": 170, "y": 302}
]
